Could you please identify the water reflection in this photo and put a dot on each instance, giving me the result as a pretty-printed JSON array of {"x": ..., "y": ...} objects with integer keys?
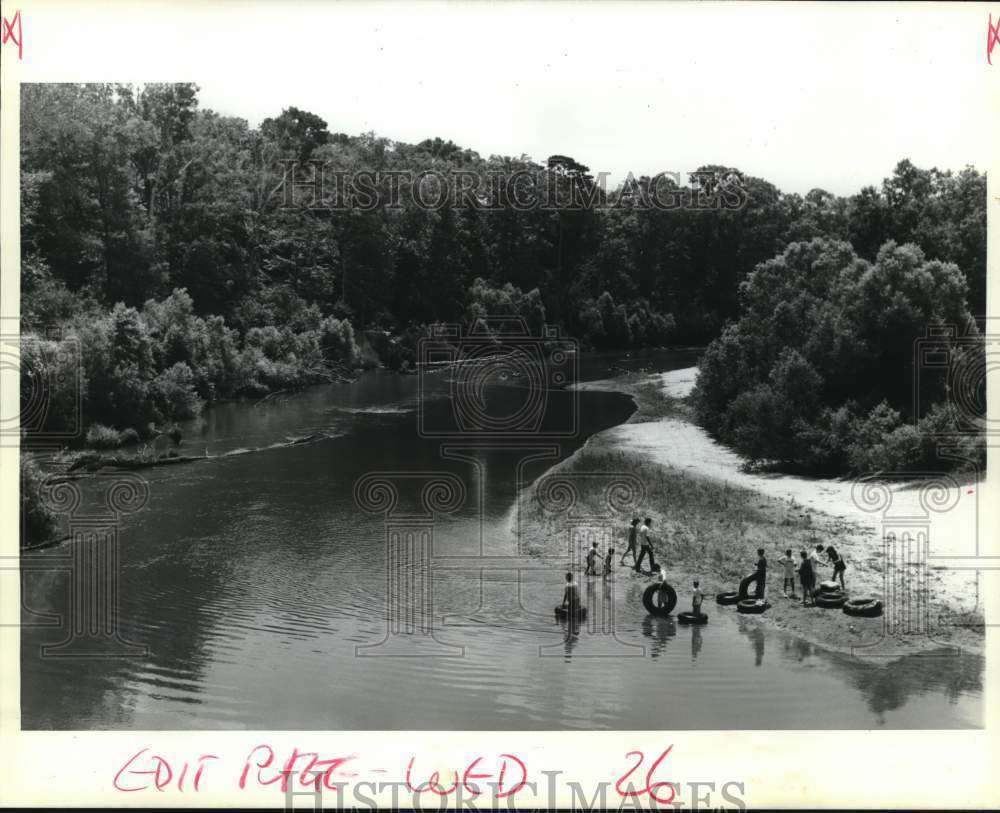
[
  {"x": 952, "y": 672},
  {"x": 659, "y": 631},
  {"x": 695, "y": 641},
  {"x": 571, "y": 637},
  {"x": 757, "y": 639}
]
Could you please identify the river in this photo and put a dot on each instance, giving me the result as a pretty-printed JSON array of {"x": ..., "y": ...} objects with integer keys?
[{"x": 258, "y": 586}]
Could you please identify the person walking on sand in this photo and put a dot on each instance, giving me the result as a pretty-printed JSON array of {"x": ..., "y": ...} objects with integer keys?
[
  {"x": 591, "y": 569},
  {"x": 645, "y": 545},
  {"x": 633, "y": 528},
  {"x": 839, "y": 566},
  {"x": 608, "y": 559},
  {"x": 808, "y": 579},
  {"x": 787, "y": 562},
  {"x": 571, "y": 595}
]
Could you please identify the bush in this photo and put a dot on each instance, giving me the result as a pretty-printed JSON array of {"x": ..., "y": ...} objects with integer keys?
[
  {"x": 38, "y": 522},
  {"x": 337, "y": 341},
  {"x": 105, "y": 437},
  {"x": 818, "y": 370},
  {"x": 174, "y": 393}
]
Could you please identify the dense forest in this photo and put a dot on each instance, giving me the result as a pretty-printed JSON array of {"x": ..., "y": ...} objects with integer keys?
[{"x": 160, "y": 255}]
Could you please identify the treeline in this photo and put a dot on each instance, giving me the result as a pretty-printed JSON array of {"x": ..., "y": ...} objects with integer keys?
[
  {"x": 157, "y": 244},
  {"x": 840, "y": 365}
]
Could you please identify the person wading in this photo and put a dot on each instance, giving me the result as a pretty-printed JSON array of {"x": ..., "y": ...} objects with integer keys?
[{"x": 571, "y": 595}]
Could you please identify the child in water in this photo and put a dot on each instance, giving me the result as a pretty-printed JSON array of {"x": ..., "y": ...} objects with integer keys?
[
  {"x": 571, "y": 595},
  {"x": 609, "y": 557},
  {"x": 696, "y": 598},
  {"x": 591, "y": 569}
]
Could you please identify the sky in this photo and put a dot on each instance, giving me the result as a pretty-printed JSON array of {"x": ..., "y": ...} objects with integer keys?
[{"x": 805, "y": 96}]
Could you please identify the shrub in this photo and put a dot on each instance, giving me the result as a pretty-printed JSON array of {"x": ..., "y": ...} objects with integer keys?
[
  {"x": 174, "y": 393},
  {"x": 105, "y": 437},
  {"x": 38, "y": 522},
  {"x": 337, "y": 341},
  {"x": 818, "y": 369}
]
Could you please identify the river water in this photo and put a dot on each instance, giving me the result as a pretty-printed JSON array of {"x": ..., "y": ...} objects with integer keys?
[{"x": 257, "y": 584}]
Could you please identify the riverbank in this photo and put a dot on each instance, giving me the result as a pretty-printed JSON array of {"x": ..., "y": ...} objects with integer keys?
[{"x": 710, "y": 516}]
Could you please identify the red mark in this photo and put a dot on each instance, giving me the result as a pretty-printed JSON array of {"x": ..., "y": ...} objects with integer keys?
[
  {"x": 651, "y": 786},
  {"x": 159, "y": 769},
  {"x": 504, "y": 786},
  {"x": 992, "y": 38},
  {"x": 9, "y": 27},
  {"x": 970, "y": 491},
  {"x": 316, "y": 769}
]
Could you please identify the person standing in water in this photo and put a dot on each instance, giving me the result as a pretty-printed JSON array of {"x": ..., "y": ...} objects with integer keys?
[
  {"x": 571, "y": 595},
  {"x": 633, "y": 528},
  {"x": 696, "y": 598},
  {"x": 608, "y": 558},
  {"x": 646, "y": 545},
  {"x": 591, "y": 569}
]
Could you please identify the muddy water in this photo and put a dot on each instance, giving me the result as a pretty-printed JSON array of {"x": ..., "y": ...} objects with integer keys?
[{"x": 258, "y": 586}]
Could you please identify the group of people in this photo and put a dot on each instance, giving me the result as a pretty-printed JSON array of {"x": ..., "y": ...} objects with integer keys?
[
  {"x": 808, "y": 566},
  {"x": 639, "y": 535},
  {"x": 640, "y": 538}
]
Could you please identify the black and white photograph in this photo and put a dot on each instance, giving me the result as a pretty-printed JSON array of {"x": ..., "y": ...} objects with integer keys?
[{"x": 502, "y": 367}]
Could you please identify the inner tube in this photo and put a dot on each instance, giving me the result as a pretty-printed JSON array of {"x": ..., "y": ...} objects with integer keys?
[
  {"x": 864, "y": 607},
  {"x": 750, "y": 605},
  {"x": 745, "y": 586},
  {"x": 832, "y": 601},
  {"x": 727, "y": 598},
  {"x": 691, "y": 618},
  {"x": 829, "y": 587},
  {"x": 659, "y": 599},
  {"x": 563, "y": 613}
]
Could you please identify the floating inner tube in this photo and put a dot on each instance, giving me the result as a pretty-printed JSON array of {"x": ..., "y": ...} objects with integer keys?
[
  {"x": 727, "y": 598},
  {"x": 750, "y": 605},
  {"x": 659, "y": 599},
  {"x": 864, "y": 607},
  {"x": 691, "y": 618},
  {"x": 563, "y": 613}
]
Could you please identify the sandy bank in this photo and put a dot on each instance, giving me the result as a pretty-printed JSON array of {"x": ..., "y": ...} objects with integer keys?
[{"x": 794, "y": 511}]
